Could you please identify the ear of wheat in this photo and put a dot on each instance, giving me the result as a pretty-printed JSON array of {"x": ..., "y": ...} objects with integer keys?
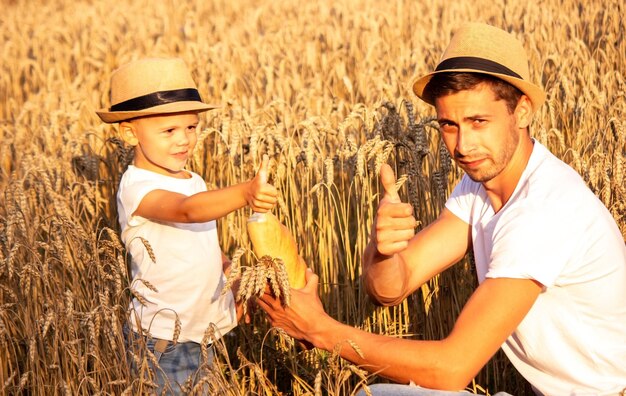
[{"x": 267, "y": 272}]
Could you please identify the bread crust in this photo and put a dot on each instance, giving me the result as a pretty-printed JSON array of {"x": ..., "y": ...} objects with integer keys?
[{"x": 271, "y": 238}]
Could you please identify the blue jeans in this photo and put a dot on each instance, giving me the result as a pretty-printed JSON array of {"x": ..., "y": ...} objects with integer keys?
[
  {"x": 177, "y": 365},
  {"x": 408, "y": 390}
]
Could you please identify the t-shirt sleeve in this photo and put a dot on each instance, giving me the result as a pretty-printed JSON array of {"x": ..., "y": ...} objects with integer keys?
[
  {"x": 130, "y": 195},
  {"x": 533, "y": 243},
  {"x": 136, "y": 184}
]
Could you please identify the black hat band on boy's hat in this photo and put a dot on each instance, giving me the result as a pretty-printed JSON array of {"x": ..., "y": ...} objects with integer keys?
[
  {"x": 152, "y": 86},
  {"x": 157, "y": 99}
]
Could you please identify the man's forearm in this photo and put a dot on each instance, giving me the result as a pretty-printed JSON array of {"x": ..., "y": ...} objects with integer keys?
[
  {"x": 426, "y": 363},
  {"x": 384, "y": 276}
]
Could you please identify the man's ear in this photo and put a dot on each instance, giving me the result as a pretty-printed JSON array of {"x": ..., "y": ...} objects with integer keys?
[
  {"x": 128, "y": 133},
  {"x": 524, "y": 112}
]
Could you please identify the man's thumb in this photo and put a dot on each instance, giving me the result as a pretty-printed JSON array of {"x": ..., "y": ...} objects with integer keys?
[
  {"x": 388, "y": 180},
  {"x": 262, "y": 173}
]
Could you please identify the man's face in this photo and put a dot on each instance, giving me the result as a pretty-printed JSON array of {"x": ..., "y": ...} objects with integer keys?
[
  {"x": 479, "y": 132},
  {"x": 165, "y": 142}
]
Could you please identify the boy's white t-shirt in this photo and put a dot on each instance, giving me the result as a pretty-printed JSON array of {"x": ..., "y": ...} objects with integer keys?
[
  {"x": 556, "y": 231},
  {"x": 187, "y": 272}
]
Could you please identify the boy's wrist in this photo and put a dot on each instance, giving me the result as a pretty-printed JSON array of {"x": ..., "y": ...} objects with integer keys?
[{"x": 248, "y": 192}]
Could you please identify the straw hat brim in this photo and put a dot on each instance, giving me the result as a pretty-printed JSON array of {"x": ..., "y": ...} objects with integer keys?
[
  {"x": 536, "y": 95},
  {"x": 168, "y": 108}
]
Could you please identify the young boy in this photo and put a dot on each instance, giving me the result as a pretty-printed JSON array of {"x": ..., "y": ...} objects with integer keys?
[{"x": 167, "y": 209}]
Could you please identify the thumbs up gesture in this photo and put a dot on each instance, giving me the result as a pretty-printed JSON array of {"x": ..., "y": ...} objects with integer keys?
[
  {"x": 394, "y": 224},
  {"x": 261, "y": 196}
]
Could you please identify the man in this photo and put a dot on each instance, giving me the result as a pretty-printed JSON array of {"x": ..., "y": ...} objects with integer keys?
[{"x": 551, "y": 261}]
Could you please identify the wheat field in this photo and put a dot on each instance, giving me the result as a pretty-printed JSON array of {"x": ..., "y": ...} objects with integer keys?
[{"x": 323, "y": 88}]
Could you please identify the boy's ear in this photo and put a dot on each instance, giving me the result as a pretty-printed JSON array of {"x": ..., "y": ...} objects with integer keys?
[
  {"x": 524, "y": 112},
  {"x": 127, "y": 132}
]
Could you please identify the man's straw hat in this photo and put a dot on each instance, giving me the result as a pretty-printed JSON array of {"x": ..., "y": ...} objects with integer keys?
[
  {"x": 152, "y": 86},
  {"x": 481, "y": 48}
]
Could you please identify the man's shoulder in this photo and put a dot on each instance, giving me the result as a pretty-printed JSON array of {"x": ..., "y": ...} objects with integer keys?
[{"x": 550, "y": 177}]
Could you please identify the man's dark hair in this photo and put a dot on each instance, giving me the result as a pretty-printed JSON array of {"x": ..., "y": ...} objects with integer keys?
[{"x": 443, "y": 84}]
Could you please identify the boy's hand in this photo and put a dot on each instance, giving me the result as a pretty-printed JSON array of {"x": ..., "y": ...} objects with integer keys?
[
  {"x": 394, "y": 225},
  {"x": 261, "y": 196},
  {"x": 249, "y": 311}
]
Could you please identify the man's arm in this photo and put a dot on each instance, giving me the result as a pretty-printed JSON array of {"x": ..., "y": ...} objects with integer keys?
[
  {"x": 210, "y": 205},
  {"x": 492, "y": 313},
  {"x": 396, "y": 262}
]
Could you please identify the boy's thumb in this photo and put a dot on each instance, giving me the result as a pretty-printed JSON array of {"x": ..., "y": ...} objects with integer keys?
[
  {"x": 311, "y": 280},
  {"x": 262, "y": 173},
  {"x": 388, "y": 180}
]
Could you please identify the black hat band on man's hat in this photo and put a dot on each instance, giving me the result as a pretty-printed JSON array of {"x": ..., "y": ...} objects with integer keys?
[{"x": 478, "y": 64}]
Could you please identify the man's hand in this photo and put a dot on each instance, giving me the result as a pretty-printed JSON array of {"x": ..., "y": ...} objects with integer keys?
[
  {"x": 303, "y": 316},
  {"x": 394, "y": 225},
  {"x": 261, "y": 196}
]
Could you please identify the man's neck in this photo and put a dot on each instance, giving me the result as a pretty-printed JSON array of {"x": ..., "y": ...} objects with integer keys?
[{"x": 500, "y": 188}]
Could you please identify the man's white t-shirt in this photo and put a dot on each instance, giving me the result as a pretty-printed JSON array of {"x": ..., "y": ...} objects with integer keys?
[
  {"x": 556, "y": 231},
  {"x": 187, "y": 272}
]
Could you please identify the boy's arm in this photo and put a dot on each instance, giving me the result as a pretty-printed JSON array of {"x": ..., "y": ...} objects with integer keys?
[
  {"x": 205, "y": 206},
  {"x": 226, "y": 265},
  {"x": 491, "y": 314},
  {"x": 396, "y": 261}
]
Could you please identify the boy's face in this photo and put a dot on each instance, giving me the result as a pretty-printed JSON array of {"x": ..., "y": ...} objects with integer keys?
[
  {"x": 162, "y": 143},
  {"x": 480, "y": 133}
]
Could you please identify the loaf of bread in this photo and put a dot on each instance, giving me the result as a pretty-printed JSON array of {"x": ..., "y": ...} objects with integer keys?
[{"x": 271, "y": 238}]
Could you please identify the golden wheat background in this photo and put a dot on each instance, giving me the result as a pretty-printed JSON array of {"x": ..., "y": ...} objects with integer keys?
[{"x": 322, "y": 87}]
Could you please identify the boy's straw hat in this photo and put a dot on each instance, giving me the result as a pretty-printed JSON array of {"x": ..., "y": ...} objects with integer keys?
[
  {"x": 481, "y": 48},
  {"x": 152, "y": 86}
]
